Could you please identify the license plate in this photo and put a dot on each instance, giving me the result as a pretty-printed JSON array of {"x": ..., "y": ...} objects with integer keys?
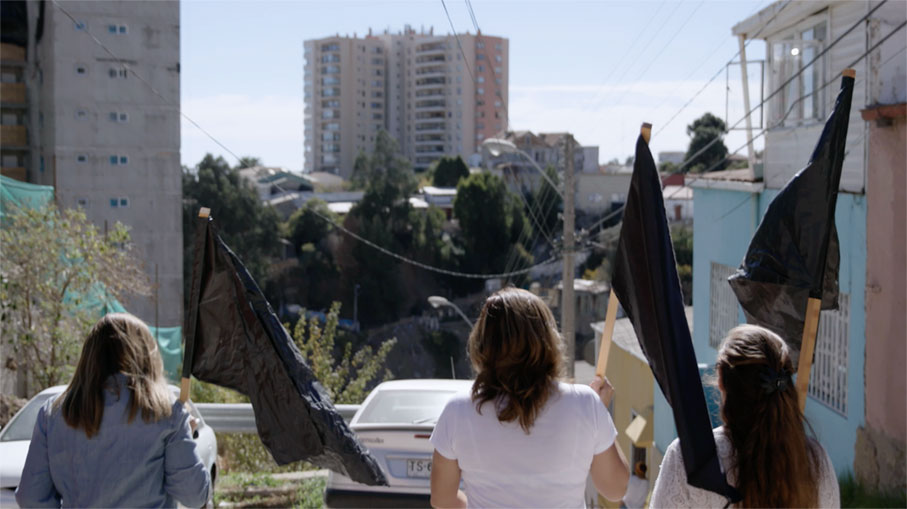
[{"x": 418, "y": 468}]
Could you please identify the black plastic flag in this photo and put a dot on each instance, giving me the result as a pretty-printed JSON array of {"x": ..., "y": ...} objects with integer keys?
[
  {"x": 794, "y": 254},
  {"x": 235, "y": 340},
  {"x": 646, "y": 284}
]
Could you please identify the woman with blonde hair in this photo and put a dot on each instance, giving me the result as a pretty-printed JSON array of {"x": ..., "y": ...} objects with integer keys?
[
  {"x": 763, "y": 446},
  {"x": 521, "y": 438},
  {"x": 116, "y": 437}
]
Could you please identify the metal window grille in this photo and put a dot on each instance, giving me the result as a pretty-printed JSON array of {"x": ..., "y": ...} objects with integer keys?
[
  {"x": 828, "y": 377},
  {"x": 722, "y": 304}
]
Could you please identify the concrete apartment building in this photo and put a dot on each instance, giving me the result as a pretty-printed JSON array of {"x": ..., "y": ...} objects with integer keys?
[
  {"x": 433, "y": 98},
  {"x": 89, "y": 127}
]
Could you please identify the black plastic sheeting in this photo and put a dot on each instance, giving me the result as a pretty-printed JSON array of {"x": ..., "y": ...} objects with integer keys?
[
  {"x": 646, "y": 284},
  {"x": 14, "y": 22},
  {"x": 794, "y": 254},
  {"x": 235, "y": 340}
]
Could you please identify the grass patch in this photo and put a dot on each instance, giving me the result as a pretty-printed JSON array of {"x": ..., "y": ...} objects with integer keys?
[{"x": 854, "y": 494}]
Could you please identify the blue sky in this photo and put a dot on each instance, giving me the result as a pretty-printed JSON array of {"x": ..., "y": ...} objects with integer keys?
[{"x": 595, "y": 68}]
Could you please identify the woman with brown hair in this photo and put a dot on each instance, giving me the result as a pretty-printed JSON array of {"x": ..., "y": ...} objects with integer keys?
[
  {"x": 763, "y": 446},
  {"x": 116, "y": 437},
  {"x": 521, "y": 438}
]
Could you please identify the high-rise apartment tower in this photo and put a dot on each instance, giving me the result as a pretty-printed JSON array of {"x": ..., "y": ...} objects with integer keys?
[{"x": 435, "y": 94}]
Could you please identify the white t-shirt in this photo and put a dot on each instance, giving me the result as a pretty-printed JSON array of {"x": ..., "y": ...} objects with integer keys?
[{"x": 505, "y": 467}]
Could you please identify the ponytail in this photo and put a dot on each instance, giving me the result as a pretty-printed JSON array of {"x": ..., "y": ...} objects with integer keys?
[{"x": 776, "y": 463}]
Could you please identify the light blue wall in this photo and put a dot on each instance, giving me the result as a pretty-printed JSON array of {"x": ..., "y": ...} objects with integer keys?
[{"x": 724, "y": 223}]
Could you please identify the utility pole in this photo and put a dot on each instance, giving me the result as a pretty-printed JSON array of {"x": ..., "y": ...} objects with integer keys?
[{"x": 568, "y": 301}]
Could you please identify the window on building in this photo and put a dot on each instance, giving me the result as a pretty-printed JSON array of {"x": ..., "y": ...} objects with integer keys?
[
  {"x": 111, "y": 29},
  {"x": 82, "y": 158},
  {"x": 722, "y": 304},
  {"x": 498, "y": 46},
  {"x": 81, "y": 114},
  {"x": 81, "y": 69},
  {"x": 122, "y": 29},
  {"x": 801, "y": 100},
  {"x": 80, "y": 25},
  {"x": 498, "y": 58},
  {"x": 480, "y": 91},
  {"x": 480, "y": 56},
  {"x": 480, "y": 45},
  {"x": 330, "y": 47},
  {"x": 82, "y": 202},
  {"x": 124, "y": 202},
  {"x": 480, "y": 79},
  {"x": 479, "y": 68},
  {"x": 114, "y": 203},
  {"x": 828, "y": 377}
]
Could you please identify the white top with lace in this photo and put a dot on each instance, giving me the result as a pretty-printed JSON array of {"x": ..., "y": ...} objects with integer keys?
[{"x": 672, "y": 490}]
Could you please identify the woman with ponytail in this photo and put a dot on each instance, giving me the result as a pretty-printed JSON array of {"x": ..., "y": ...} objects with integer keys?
[
  {"x": 116, "y": 437},
  {"x": 521, "y": 438},
  {"x": 763, "y": 446}
]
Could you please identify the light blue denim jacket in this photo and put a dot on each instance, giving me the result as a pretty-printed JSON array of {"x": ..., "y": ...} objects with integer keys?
[{"x": 137, "y": 464}]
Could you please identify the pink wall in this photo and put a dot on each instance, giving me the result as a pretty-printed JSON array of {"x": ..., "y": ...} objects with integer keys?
[{"x": 886, "y": 278}]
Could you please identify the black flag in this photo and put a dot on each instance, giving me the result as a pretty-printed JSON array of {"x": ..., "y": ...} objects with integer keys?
[
  {"x": 794, "y": 254},
  {"x": 234, "y": 340},
  {"x": 646, "y": 284}
]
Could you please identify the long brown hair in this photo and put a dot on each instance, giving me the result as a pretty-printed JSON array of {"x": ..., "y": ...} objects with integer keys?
[
  {"x": 516, "y": 352},
  {"x": 118, "y": 343},
  {"x": 776, "y": 464}
]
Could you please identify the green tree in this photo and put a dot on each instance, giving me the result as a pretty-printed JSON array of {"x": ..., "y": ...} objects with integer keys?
[
  {"x": 703, "y": 131},
  {"x": 313, "y": 282},
  {"x": 682, "y": 240},
  {"x": 56, "y": 264},
  {"x": 386, "y": 218},
  {"x": 491, "y": 220},
  {"x": 447, "y": 171},
  {"x": 249, "y": 227},
  {"x": 349, "y": 376}
]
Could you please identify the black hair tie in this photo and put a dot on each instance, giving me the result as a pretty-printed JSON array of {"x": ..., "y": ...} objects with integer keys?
[{"x": 773, "y": 381}]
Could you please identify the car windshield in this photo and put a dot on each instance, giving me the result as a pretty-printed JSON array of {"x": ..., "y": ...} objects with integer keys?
[
  {"x": 21, "y": 427},
  {"x": 409, "y": 407}
]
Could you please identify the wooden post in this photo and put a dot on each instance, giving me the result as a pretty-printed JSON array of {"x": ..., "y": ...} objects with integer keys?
[
  {"x": 607, "y": 333},
  {"x": 186, "y": 381},
  {"x": 611, "y": 315},
  {"x": 807, "y": 349}
]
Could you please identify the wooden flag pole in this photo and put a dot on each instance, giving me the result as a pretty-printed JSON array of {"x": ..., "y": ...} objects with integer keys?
[
  {"x": 607, "y": 334},
  {"x": 186, "y": 381},
  {"x": 807, "y": 349},
  {"x": 611, "y": 315},
  {"x": 811, "y": 327}
]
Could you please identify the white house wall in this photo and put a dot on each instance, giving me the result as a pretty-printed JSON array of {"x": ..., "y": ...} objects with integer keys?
[{"x": 787, "y": 149}]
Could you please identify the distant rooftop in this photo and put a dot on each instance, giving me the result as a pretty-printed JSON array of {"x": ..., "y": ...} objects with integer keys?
[{"x": 625, "y": 337}]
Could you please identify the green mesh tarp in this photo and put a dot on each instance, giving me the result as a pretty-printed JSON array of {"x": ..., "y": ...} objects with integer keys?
[
  {"x": 20, "y": 194},
  {"x": 16, "y": 194}
]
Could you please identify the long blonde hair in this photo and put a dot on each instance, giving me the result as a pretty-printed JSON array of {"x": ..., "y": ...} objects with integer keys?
[
  {"x": 515, "y": 350},
  {"x": 118, "y": 343},
  {"x": 777, "y": 464}
]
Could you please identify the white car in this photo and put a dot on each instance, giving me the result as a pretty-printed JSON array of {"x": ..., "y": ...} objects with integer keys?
[
  {"x": 395, "y": 422},
  {"x": 16, "y": 436}
]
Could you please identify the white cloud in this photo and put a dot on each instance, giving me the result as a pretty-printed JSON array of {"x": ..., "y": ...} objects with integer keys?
[{"x": 269, "y": 127}]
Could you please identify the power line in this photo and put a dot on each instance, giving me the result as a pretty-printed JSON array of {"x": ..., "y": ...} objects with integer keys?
[
  {"x": 361, "y": 239},
  {"x": 718, "y": 73},
  {"x": 425, "y": 265},
  {"x": 781, "y": 121}
]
